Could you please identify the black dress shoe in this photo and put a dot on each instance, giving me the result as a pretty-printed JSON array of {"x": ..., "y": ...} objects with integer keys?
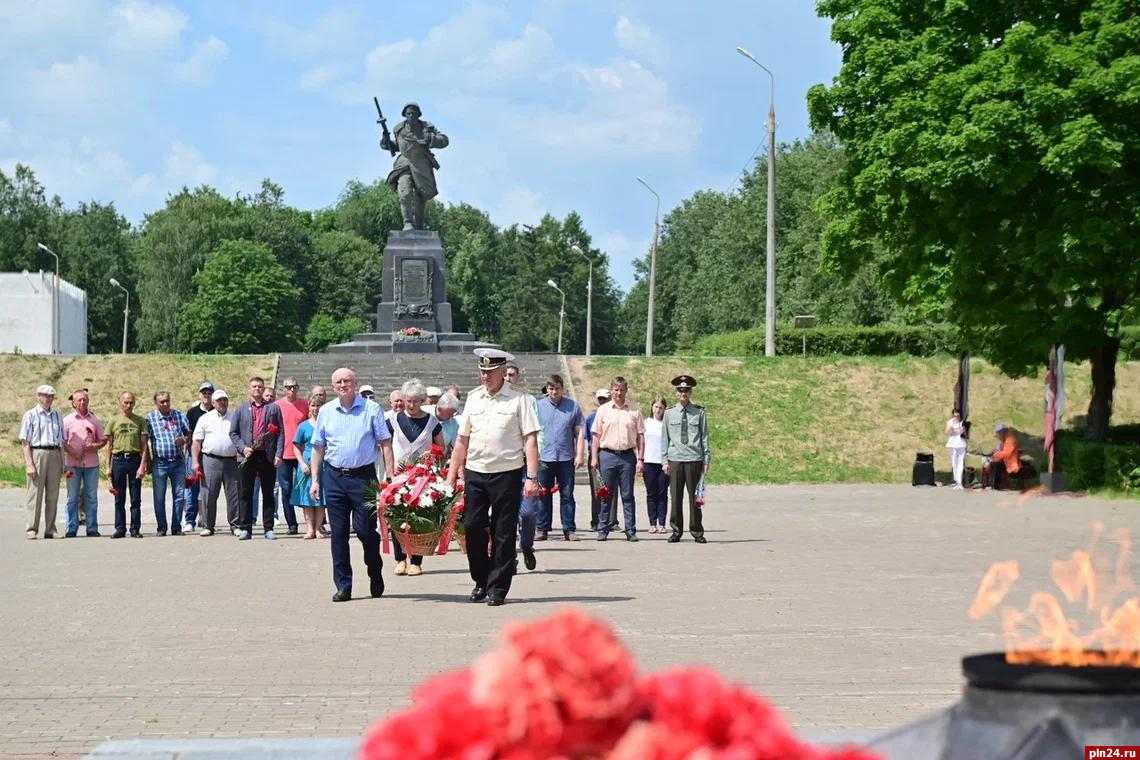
[
  {"x": 292, "y": 530},
  {"x": 161, "y": 533},
  {"x": 632, "y": 538},
  {"x": 377, "y": 588},
  {"x": 94, "y": 534},
  {"x": 343, "y": 595},
  {"x": 136, "y": 535},
  {"x": 603, "y": 536},
  {"x": 674, "y": 539},
  {"x": 700, "y": 540},
  {"x": 529, "y": 560},
  {"x": 69, "y": 534},
  {"x": 478, "y": 594},
  {"x": 496, "y": 601},
  {"x": 119, "y": 534}
]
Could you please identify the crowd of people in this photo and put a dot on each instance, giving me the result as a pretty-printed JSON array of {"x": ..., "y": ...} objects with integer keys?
[{"x": 513, "y": 451}]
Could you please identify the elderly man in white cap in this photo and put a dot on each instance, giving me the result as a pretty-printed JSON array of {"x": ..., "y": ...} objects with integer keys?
[
  {"x": 215, "y": 457},
  {"x": 601, "y": 396},
  {"x": 497, "y": 444},
  {"x": 41, "y": 435}
]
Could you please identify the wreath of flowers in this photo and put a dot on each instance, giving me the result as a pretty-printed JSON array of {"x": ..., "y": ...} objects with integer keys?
[{"x": 418, "y": 499}]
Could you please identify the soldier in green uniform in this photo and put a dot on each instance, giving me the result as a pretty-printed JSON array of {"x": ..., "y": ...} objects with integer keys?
[{"x": 685, "y": 445}]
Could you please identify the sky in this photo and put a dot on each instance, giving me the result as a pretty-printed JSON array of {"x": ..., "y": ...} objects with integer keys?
[{"x": 550, "y": 105}]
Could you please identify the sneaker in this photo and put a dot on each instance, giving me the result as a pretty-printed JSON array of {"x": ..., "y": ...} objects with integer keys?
[
  {"x": 632, "y": 538},
  {"x": 401, "y": 568},
  {"x": 269, "y": 536},
  {"x": 69, "y": 534},
  {"x": 137, "y": 535},
  {"x": 30, "y": 535},
  {"x": 94, "y": 534},
  {"x": 206, "y": 532},
  {"x": 415, "y": 570},
  {"x": 244, "y": 535},
  {"x": 235, "y": 531},
  {"x": 161, "y": 533},
  {"x": 571, "y": 536},
  {"x": 292, "y": 530},
  {"x": 540, "y": 535}
]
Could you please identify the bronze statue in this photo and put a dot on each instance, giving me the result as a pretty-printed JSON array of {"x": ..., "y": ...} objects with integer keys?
[{"x": 413, "y": 173}]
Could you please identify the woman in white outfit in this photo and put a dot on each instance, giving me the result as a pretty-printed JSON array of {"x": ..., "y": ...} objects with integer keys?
[
  {"x": 956, "y": 430},
  {"x": 413, "y": 433}
]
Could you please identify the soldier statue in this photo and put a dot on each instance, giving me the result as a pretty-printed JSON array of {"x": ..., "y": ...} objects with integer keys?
[{"x": 413, "y": 173}]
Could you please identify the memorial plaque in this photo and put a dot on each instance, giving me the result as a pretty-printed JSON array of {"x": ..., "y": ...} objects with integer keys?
[{"x": 415, "y": 281}]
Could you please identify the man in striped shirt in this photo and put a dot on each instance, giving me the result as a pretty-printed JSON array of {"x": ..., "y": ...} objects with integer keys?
[{"x": 41, "y": 435}]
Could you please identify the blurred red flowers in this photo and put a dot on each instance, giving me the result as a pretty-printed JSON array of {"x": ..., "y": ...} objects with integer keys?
[
  {"x": 69, "y": 474},
  {"x": 603, "y": 493},
  {"x": 565, "y": 687},
  {"x": 192, "y": 479}
]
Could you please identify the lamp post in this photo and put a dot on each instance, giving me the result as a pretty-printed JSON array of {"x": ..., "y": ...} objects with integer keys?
[
  {"x": 589, "y": 302},
  {"x": 652, "y": 270},
  {"x": 561, "y": 314},
  {"x": 55, "y": 347},
  {"x": 126, "y": 310},
  {"x": 770, "y": 290}
]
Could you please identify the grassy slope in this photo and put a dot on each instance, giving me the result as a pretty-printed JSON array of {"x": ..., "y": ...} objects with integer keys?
[
  {"x": 106, "y": 377},
  {"x": 817, "y": 419}
]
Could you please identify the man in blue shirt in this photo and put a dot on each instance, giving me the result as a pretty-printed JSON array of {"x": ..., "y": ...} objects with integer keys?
[
  {"x": 169, "y": 432},
  {"x": 345, "y": 439},
  {"x": 561, "y": 453}
]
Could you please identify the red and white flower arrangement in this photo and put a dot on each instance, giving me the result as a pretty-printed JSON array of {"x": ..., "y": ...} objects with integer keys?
[
  {"x": 565, "y": 687},
  {"x": 418, "y": 501}
]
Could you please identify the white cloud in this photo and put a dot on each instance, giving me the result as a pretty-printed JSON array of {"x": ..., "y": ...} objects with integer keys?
[
  {"x": 518, "y": 205},
  {"x": 186, "y": 166},
  {"x": 319, "y": 77},
  {"x": 330, "y": 32},
  {"x": 199, "y": 68},
  {"x": 144, "y": 27},
  {"x": 639, "y": 41},
  {"x": 69, "y": 85}
]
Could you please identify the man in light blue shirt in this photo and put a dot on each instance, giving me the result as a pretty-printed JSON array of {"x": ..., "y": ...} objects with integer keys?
[
  {"x": 346, "y": 438},
  {"x": 561, "y": 453}
]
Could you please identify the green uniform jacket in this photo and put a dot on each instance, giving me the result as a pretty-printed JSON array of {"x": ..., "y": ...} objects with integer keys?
[{"x": 697, "y": 447}]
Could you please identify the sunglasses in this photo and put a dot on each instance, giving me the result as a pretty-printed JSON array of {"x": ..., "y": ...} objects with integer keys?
[{"x": 291, "y": 387}]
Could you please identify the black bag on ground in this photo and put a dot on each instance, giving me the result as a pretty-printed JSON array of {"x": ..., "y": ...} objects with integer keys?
[{"x": 923, "y": 473}]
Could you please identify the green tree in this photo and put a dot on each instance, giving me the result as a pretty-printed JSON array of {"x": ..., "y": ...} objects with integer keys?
[
  {"x": 244, "y": 303},
  {"x": 371, "y": 211},
  {"x": 993, "y": 149},
  {"x": 325, "y": 330},
  {"x": 346, "y": 276},
  {"x": 26, "y": 218}
]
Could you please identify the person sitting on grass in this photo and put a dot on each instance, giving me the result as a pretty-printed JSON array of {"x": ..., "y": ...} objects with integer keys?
[{"x": 1005, "y": 460}]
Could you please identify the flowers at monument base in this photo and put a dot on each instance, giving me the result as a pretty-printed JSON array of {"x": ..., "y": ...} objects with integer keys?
[
  {"x": 566, "y": 687},
  {"x": 412, "y": 331}
]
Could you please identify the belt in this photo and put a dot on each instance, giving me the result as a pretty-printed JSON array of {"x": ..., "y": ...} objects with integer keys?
[
  {"x": 368, "y": 469},
  {"x": 618, "y": 451},
  {"x": 123, "y": 454},
  {"x": 47, "y": 448},
  {"x": 217, "y": 456}
]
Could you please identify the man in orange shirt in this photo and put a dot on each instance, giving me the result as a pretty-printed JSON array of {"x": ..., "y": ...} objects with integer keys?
[
  {"x": 617, "y": 450},
  {"x": 1005, "y": 459},
  {"x": 294, "y": 411}
]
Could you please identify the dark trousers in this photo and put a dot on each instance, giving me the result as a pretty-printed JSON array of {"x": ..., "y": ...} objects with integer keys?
[
  {"x": 684, "y": 477},
  {"x": 260, "y": 464},
  {"x": 561, "y": 473},
  {"x": 595, "y": 506},
  {"x": 618, "y": 469},
  {"x": 492, "y": 507},
  {"x": 286, "y": 472},
  {"x": 344, "y": 503},
  {"x": 399, "y": 553},
  {"x": 123, "y": 469},
  {"x": 656, "y": 493}
]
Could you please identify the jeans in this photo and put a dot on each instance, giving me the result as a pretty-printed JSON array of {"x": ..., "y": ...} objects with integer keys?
[
  {"x": 170, "y": 471},
  {"x": 563, "y": 474},
  {"x": 618, "y": 469},
  {"x": 286, "y": 472},
  {"x": 87, "y": 479},
  {"x": 124, "y": 467},
  {"x": 656, "y": 493},
  {"x": 192, "y": 496},
  {"x": 528, "y": 516}
]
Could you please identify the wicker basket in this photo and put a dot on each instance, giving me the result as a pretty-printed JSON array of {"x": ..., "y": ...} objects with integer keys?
[
  {"x": 462, "y": 539},
  {"x": 419, "y": 544}
]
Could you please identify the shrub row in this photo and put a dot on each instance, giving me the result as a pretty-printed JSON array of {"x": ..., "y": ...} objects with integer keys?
[
  {"x": 889, "y": 340},
  {"x": 1099, "y": 465}
]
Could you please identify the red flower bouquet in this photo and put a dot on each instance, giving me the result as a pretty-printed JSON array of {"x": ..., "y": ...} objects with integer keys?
[
  {"x": 259, "y": 441},
  {"x": 192, "y": 479},
  {"x": 603, "y": 493},
  {"x": 565, "y": 687},
  {"x": 419, "y": 504},
  {"x": 69, "y": 474}
]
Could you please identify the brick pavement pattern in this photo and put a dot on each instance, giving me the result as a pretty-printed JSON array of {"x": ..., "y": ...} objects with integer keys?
[{"x": 845, "y": 605}]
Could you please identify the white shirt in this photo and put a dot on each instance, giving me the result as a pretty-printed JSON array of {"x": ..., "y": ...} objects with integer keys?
[
  {"x": 653, "y": 440},
  {"x": 496, "y": 427},
  {"x": 213, "y": 431},
  {"x": 42, "y": 428},
  {"x": 956, "y": 441}
]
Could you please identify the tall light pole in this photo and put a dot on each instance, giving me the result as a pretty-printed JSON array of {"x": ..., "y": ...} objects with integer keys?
[
  {"x": 55, "y": 347},
  {"x": 561, "y": 314},
  {"x": 770, "y": 290},
  {"x": 652, "y": 270},
  {"x": 126, "y": 310},
  {"x": 589, "y": 302}
]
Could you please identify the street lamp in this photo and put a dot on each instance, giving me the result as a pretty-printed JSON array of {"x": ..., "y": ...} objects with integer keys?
[
  {"x": 55, "y": 347},
  {"x": 561, "y": 314},
  {"x": 126, "y": 310},
  {"x": 652, "y": 270},
  {"x": 589, "y": 302},
  {"x": 770, "y": 290}
]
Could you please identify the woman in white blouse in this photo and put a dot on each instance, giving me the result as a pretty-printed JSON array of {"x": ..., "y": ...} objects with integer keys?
[
  {"x": 656, "y": 481},
  {"x": 956, "y": 430}
]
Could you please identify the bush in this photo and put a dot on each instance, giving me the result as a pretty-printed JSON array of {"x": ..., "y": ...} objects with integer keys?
[
  {"x": 323, "y": 331},
  {"x": 1129, "y": 344},
  {"x": 846, "y": 341},
  {"x": 1087, "y": 465}
]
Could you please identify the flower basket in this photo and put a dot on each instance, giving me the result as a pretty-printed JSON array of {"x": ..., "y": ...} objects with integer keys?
[
  {"x": 419, "y": 544},
  {"x": 462, "y": 539}
]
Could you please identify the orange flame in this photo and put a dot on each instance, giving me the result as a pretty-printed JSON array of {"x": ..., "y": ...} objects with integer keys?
[{"x": 1043, "y": 633}]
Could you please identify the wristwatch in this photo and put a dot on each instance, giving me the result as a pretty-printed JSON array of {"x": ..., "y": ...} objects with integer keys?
[{"x": 534, "y": 478}]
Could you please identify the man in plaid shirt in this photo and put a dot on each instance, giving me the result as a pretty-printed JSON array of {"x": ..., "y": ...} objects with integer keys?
[{"x": 169, "y": 432}]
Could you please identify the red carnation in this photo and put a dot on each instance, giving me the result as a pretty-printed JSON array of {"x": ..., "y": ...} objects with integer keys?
[
  {"x": 554, "y": 488},
  {"x": 459, "y": 488},
  {"x": 69, "y": 474},
  {"x": 700, "y": 502},
  {"x": 114, "y": 491},
  {"x": 436, "y": 451},
  {"x": 272, "y": 428},
  {"x": 603, "y": 493}
]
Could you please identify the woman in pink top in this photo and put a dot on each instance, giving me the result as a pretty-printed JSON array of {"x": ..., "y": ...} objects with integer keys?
[{"x": 83, "y": 436}]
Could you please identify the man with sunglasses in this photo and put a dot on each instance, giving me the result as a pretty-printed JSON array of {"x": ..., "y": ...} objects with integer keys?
[
  {"x": 685, "y": 446},
  {"x": 294, "y": 411}
]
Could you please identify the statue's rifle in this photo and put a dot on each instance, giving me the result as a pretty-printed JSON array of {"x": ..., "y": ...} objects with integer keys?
[{"x": 384, "y": 126}]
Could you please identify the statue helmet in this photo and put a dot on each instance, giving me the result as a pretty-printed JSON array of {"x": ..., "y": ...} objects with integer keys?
[{"x": 414, "y": 105}]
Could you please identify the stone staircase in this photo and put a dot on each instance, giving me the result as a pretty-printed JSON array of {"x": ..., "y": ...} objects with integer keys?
[{"x": 385, "y": 371}]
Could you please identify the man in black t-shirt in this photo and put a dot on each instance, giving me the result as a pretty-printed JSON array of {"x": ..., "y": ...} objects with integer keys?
[{"x": 194, "y": 490}]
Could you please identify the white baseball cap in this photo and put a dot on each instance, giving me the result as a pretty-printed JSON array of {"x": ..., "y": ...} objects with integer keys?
[
  {"x": 366, "y": 389},
  {"x": 433, "y": 391},
  {"x": 220, "y": 394},
  {"x": 46, "y": 390},
  {"x": 602, "y": 393}
]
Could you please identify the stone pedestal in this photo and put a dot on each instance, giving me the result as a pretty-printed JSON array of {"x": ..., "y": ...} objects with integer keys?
[
  {"x": 1054, "y": 482},
  {"x": 413, "y": 297}
]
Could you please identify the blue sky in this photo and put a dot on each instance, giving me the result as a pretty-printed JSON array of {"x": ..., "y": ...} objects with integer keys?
[{"x": 550, "y": 105}]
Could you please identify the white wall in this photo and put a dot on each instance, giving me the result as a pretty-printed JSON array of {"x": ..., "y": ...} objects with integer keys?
[{"x": 26, "y": 318}]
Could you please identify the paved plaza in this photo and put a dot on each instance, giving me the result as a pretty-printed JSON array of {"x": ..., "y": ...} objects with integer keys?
[{"x": 845, "y": 605}]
